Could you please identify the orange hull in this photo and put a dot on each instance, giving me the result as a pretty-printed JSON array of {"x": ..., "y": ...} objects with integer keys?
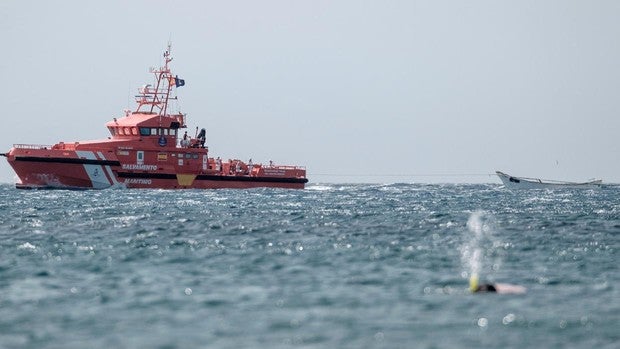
[
  {"x": 43, "y": 168},
  {"x": 145, "y": 150}
]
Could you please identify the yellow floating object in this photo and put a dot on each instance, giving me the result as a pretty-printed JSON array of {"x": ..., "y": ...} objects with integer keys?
[{"x": 473, "y": 282}]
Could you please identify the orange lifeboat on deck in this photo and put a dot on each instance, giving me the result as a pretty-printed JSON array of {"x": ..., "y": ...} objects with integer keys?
[{"x": 147, "y": 148}]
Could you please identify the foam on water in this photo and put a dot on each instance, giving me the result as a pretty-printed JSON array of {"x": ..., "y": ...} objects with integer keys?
[{"x": 27, "y": 246}]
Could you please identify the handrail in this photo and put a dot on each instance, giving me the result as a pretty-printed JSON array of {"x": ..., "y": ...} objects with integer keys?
[
  {"x": 31, "y": 146},
  {"x": 284, "y": 167}
]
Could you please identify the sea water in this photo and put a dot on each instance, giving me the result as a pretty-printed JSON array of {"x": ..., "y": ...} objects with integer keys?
[{"x": 331, "y": 266}]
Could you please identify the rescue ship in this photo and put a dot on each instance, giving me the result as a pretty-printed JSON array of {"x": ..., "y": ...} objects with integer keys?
[{"x": 147, "y": 148}]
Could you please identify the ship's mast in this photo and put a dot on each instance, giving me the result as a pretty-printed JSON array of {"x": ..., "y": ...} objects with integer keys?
[
  {"x": 167, "y": 59},
  {"x": 157, "y": 97}
]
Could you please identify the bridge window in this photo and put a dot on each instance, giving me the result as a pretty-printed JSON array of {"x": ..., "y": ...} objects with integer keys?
[
  {"x": 145, "y": 131},
  {"x": 111, "y": 130},
  {"x": 153, "y": 132},
  {"x": 134, "y": 131}
]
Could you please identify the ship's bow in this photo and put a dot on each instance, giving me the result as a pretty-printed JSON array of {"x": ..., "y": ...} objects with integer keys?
[{"x": 39, "y": 167}]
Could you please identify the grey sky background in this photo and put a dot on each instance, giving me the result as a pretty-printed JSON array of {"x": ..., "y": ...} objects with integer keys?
[{"x": 357, "y": 91}]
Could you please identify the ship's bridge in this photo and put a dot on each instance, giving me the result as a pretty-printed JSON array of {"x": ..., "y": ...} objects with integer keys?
[{"x": 141, "y": 124}]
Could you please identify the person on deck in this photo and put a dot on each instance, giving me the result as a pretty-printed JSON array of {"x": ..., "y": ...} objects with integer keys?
[
  {"x": 218, "y": 164},
  {"x": 185, "y": 142},
  {"x": 202, "y": 137}
]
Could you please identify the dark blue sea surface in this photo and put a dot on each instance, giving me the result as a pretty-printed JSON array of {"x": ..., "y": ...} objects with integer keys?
[{"x": 332, "y": 266}]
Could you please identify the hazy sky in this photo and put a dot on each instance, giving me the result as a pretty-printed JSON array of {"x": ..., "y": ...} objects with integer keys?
[{"x": 357, "y": 91}]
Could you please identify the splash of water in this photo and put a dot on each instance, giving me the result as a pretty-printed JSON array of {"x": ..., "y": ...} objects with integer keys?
[{"x": 479, "y": 234}]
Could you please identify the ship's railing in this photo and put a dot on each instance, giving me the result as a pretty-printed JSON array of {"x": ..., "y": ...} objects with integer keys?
[
  {"x": 280, "y": 170},
  {"x": 284, "y": 167},
  {"x": 32, "y": 146}
]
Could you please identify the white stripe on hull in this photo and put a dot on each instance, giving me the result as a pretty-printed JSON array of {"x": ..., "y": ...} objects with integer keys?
[
  {"x": 109, "y": 171},
  {"x": 95, "y": 173}
]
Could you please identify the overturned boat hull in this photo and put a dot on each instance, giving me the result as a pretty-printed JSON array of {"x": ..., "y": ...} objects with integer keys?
[{"x": 514, "y": 182}]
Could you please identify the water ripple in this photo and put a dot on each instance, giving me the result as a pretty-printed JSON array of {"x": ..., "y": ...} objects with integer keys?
[{"x": 330, "y": 266}]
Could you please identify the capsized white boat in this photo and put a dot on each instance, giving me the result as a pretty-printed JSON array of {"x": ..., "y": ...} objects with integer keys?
[{"x": 514, "y": 182}]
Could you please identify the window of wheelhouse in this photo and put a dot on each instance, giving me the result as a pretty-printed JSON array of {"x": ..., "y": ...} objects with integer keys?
[
  {"x": 119, "y": 131},
  {"x": 112, "y": 131},
  {"x": 134, "y": 131},
  {"x": 146, "y": 131}
]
